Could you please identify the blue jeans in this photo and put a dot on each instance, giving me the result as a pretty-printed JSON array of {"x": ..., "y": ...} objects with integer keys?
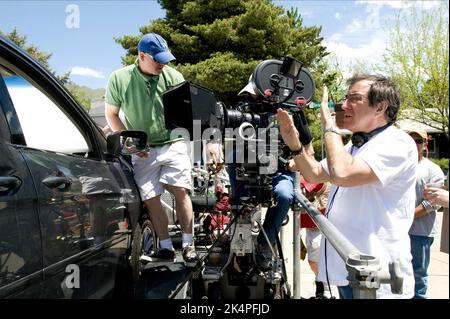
[
  {"x": 345, "y": 292},
  {"x": 420, "y": 250},
  {"x": 237, "y": 189},
  {"x": 283, "y": 195}
]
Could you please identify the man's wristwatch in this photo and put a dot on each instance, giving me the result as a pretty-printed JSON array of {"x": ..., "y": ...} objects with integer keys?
[
  {"x": 297, "y": 152},
  {"x": 332, "y": 129}
]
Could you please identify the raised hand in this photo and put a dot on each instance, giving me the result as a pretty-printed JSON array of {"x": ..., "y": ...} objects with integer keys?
[
  {"x": 288, "y": 130},
  {"x": 325, "y": 114}
]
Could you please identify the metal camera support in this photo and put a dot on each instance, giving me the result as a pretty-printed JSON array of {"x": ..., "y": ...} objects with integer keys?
[
  {"x": 364, "y": 271},
  {"x": 297, "y": 242}
]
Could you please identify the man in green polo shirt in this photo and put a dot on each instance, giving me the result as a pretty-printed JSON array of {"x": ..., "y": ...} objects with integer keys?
[{"x": 137, "y": 91}]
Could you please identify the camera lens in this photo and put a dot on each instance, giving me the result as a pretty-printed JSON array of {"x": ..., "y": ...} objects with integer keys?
[{"x": 235, "y": 118}]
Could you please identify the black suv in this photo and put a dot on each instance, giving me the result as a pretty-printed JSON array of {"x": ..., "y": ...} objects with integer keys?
[{"x": 68, "y": 201}]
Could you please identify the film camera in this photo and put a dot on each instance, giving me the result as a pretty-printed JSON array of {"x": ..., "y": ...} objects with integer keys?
[
  {"x": 256, "y": 148},
  {"x": 253, "y": 152}
]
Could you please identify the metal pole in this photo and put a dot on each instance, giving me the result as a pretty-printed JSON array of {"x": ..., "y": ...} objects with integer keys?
[
  {"x": 365, "y": 273},
  {"x": 296, "y": 235},
  {"x": 342, "y": 245}
]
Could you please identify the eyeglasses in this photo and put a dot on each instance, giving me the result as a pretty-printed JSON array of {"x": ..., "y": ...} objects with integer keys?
[
  {"x": 419, "y": 140},
  {"x": 354, "y": 98}
]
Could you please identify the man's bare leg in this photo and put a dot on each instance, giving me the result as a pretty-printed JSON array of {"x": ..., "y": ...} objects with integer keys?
[{"x": 158, "y": 216}]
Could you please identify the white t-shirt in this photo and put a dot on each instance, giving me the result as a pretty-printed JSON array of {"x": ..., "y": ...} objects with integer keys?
[{"x": 376, "y": 217}]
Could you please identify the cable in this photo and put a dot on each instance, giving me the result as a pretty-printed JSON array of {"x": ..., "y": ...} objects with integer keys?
[
  {"x": 201, "y": 260},
  {"x": 325, "y": 248}
]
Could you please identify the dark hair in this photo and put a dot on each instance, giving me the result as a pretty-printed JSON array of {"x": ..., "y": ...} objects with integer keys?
[{"x": 381, "y": 89}]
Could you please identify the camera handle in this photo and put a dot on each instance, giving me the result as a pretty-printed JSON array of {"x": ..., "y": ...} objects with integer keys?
[{"x": 364, "y": 271}]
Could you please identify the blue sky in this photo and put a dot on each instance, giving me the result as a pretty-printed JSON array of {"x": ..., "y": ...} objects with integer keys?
[{"x": 84, "y": 43}]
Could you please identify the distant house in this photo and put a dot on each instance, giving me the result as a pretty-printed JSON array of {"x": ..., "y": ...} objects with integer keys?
[{"x": 438, "y": 144}]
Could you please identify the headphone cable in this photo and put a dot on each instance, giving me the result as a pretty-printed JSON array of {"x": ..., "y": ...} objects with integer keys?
[{"x": 325, "y": 248}]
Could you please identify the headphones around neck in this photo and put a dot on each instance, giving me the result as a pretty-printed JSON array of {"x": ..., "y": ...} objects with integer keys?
[{"x": 361, "y": 138}]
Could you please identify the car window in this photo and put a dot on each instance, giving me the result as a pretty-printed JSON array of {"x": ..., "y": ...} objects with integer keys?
[{"x": 44, "y": 124}]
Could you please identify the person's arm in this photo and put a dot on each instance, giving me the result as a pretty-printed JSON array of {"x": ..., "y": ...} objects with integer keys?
[
  {"x": 290, "y": 166},
  {"x": 214, "y": 153},
  {"x": 115, "y": 124},
  {"x": 112, "y": 118},
  {"x": 344, "y": 169},
  {"x": 311, "y": 169},
  {"x": 436, "y": 196},
  {"x": 420, "y": 211}
]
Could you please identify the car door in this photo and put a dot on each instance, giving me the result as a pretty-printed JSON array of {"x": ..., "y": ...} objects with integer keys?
[
  {"x": 20, "y": 242},
  {"x": 83, "y": 195}
]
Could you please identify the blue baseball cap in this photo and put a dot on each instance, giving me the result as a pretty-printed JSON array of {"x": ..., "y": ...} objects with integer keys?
[{"x": 156, "y": 46}]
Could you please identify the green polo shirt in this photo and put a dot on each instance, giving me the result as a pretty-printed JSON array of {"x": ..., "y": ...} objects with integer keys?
[{"x": 140, "y": 98}]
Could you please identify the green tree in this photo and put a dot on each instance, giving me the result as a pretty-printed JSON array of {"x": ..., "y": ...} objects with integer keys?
[
  {"x": 218, "y": 43},
  {"x": 21, "y": 41},
  {"x": 43, "y": 58},
  {"x": 417, "y": 57},
  {"x": 80, "y": 95}
]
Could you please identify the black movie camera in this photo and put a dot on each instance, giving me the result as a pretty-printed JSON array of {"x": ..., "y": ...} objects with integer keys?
[
  {"x": 273, "y": 84},
  {"x": 256, "y": 150}
]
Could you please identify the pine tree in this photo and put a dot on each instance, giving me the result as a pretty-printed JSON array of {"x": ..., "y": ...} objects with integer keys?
[
  {"x": 43, "y": 59},
  {"x": 218, "y": 43}
]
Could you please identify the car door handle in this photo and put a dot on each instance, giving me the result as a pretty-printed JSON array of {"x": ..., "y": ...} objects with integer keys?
[
  {"x": 10, "y": 182},
  {"x": 56, "y": 181}
]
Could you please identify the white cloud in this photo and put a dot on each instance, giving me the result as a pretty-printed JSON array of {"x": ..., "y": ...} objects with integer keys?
[
  {"x": 338, "y": 16},
  {"x": 399, "y": 4},
  {"x": 396, "y": 4},
  {"x": 354, "y": 26},
  {"x": 348, "y": 55},
  {"x": 430, "y": 4},
  {"x": 82, "y": 71},
  {"x": 335, "y": 37}
]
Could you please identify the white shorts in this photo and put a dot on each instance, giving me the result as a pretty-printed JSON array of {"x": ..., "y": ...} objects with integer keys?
[
  {"x": 313, "y": 238},
  {"x": 168, "y": 164}
]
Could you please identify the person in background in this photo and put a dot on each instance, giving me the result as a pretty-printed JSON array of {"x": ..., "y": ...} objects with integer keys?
[
  {"x": 317, "y": 194},
  {"x": 424, "y": 227}
]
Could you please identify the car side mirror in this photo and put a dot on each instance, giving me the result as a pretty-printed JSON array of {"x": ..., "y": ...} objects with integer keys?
[{"x": 126, "y": 142}]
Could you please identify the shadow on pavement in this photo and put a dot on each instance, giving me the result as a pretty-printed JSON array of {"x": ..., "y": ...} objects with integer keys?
[{"x": 160, "y": 279}]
